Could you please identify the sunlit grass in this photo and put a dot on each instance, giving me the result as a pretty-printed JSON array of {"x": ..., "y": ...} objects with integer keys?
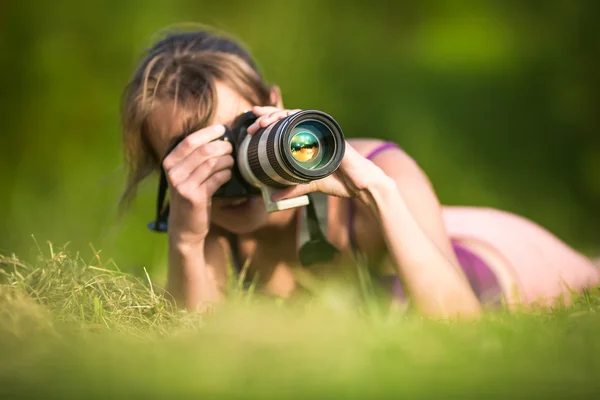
[{"x": 74, "y": 328}]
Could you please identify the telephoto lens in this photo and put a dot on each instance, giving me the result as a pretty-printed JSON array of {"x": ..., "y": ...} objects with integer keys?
[{"x": 298, "y": 149}]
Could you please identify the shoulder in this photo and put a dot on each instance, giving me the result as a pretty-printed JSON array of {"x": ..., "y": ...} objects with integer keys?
[
  {"x": 394, "y": 161},
  {"x": 392, "y": 150},
  {"x": 365, "y": 145}
]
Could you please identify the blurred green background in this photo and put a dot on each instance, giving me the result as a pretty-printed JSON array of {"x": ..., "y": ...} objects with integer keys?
[{"x": 497, "y": 100}]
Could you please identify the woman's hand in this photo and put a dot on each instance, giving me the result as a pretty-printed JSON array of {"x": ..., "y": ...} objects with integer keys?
[
  {"x": 195, "y": 169},
  {"x": 267, "y": 116},
  {"x": 352, "y": 178}
]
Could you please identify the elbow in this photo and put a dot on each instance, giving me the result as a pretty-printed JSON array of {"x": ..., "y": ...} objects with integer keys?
[
  {"x": 191, "y": 298},
  {"x": 454, "y": 305}
]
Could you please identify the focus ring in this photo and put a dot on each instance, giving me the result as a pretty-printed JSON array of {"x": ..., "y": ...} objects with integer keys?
[
  {"x": 272, "y": 157},
  {"x": 254, "y": 161}
]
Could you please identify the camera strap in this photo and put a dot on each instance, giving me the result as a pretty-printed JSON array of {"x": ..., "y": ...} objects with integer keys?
[
  {"x": 312, "y": 240},
  {"x": 162, "y": 210}
]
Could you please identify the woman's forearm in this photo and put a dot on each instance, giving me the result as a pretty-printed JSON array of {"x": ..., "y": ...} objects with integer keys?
[
  {"x": 435, "y": 286},
  {"x": 190, "y": 280}
]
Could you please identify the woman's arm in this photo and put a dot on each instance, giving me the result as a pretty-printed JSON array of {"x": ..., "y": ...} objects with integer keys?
[
  {"x": 397, "y": 192},
  {"x": 195, "y": 169},
  {"x": 197, "y": 272},
  {"x": 405, "y": 205}
]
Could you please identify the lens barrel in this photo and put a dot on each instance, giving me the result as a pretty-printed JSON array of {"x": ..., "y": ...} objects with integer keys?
[{"x": 300, "y": 148}]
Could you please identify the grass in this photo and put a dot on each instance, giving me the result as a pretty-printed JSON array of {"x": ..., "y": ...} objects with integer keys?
[{"x": 71, "y": 328}]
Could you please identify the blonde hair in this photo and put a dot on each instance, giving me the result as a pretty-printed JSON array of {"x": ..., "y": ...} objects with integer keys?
[{"x": 182, "y": 69}]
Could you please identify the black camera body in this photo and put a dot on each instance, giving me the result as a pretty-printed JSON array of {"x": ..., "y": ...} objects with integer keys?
[{"x": 237, "y": 186}]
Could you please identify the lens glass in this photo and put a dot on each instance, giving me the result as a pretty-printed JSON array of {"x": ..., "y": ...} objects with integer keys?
[
  {"x": 311, "y": 144},
  {"x": 304, "y": 146}
]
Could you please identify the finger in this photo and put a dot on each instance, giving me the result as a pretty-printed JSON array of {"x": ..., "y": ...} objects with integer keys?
[
  {"x": 275, "y": 116},
  {"x": 191, "y": 143},
  {"x": 203, "y": 173},
  {"x": 264, "y": 121},
  {"x": 267, "y": 120},
  {"x": 200, "y": 194},
  {"x": 253, "y": 128},
  {"x": 259, "y": 111},
  {"x": 197, "y": 159},
  {"x": 217, "y": 180},
  {"x": 293, "y": 191},
  {"x": 256, "y": 125}
]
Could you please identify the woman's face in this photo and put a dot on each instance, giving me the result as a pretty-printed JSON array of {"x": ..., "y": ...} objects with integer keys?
[{"x": 237, "y": 215}]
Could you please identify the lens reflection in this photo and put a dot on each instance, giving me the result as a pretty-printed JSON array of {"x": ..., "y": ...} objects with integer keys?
[{"x": 304, "y": 146}]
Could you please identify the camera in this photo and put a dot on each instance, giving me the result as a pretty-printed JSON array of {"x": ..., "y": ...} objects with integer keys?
[{"x": 300, "y": 148}]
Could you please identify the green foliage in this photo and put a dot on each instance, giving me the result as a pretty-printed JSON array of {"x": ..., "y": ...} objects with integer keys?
[
  {"x": 71, "y": 328},
  {"x": 497, "y": 101}
]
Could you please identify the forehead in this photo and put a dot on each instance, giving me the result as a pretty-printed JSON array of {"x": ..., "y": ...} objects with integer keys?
[{"x": 166, "y": 122}]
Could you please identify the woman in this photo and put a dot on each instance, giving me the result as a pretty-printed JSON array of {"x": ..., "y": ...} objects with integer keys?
[{"x": 450, "y": 260}]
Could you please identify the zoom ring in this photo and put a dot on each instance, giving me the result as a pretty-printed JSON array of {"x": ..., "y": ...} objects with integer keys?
[
  {"x": 272, "y": 157},
  {"x": 254, "y": 162}
]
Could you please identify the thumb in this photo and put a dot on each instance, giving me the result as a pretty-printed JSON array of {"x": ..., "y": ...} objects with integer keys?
[{"x": 293, "y": 191}]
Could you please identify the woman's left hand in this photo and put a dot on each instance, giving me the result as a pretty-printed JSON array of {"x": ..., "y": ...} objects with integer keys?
[{"x": 354, "y": 176}]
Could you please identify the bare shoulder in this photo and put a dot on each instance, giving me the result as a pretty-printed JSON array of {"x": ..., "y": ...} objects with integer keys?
[
  {"x": 365, "y": 145},
  {"x": 396, "y": 162}
]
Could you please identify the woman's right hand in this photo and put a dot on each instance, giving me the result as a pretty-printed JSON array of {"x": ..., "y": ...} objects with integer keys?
[{"x": 195, "y": 169}]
